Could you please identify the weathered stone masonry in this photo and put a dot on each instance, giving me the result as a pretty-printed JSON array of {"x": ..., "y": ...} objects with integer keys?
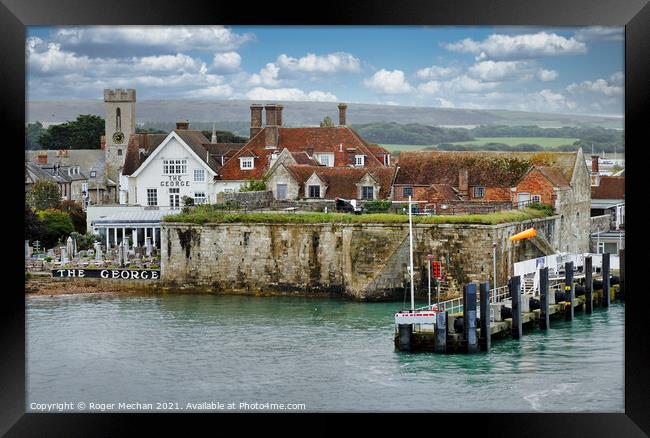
[{"x": 362, "y": 261}]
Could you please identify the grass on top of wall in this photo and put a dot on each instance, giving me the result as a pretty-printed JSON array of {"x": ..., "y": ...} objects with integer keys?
[{"x": 203, "y": 214}]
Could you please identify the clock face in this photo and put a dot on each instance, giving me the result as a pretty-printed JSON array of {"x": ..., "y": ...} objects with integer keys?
[{"x": 118, "y": 137}]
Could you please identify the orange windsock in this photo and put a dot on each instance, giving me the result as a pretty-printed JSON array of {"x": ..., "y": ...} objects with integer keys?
[{"x": 524, "y": 234}]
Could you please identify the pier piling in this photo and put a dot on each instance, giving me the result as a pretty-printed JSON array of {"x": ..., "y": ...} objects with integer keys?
[
  {"x": 544, "y": 316},
  {"x": 589, "y": 286},
  {"x": 621, "y": 267},
  {"x": 469, "y": 314},
  {"x": 486, "y": 337},
  {"x": 515, "y": 293},
  {"x": 405, "y": 332},
  {"x": 569, "y": 291},
  {"x": 441, "y": 333},
  {"x": 605, "y": 271}
]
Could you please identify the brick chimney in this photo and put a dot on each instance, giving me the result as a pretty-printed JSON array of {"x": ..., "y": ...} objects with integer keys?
[
  {"x": 256, "y": 119},
  {"x": 41, "y": 158},
  {"x": 463, "y": 184},
  {"x": 342, "y": 110},
  {"x": 271, "y": 131},
  {"x": 183, "y": 125},
  {"x": 278, "y": 115},
  {"x": 595, "y": 171}
]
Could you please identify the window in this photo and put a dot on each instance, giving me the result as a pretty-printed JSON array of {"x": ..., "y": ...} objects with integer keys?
[
  {"x": 367, "y": 192},
  {"x": 174, "y": 198},
  {"x": 199, "y": 175},
  {"x": 174, "y": 167},
  {"x": 246, "y": 163},
  {"x": 359, "y": 160},
  {"x": 119, "y": 152},
  {"x": 199, "y": 198},
  {"x": 93, "y": 173},
  {"x": 408, "y": 191},
  {"x": 152, "y": 196},
  {"x": 281, "y": 191},
  {"x": 537, "y": 198},
  {"x": 314, "y": 191},
  {"x": 479, "y": 192},
  {"x": 325, "y": 159}
]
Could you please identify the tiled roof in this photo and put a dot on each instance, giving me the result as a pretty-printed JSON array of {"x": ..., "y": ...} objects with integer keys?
[
  {"x": 303, "y": 158},
  {"x": 490, "y": 169},
  {"x": 341, "y": 181},
  {"x": 554, "y": 175},
  {"x": 341, "y": 141},
  {"x": 611, "y": 187},
  {"x": 133, "y": 158}
]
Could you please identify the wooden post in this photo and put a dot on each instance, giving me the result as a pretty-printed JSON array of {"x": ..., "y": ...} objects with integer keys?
[
  {"x": 441, "y": 332},
  {"x": 589, "y": 286},
  {"x": 569, "y": 290},
  {"x": 469, "y": 315},
  {"x": 515, "y": 294},
  {"x": 605, "y": 271},
  {"x": 544, "y": 317},
  {"x": 621, "y": 266},
  {"x": 405, "y": 332},
  {"x": 486, "y": 337}
]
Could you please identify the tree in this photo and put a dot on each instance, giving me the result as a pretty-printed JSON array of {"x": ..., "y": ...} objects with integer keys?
[
  {"x": 327, "y": 122},
  {"x": 253, "y": 185},
  {"x": 83, "y": 133},
  {"x": 44, "y": 195},
  {"x": 33, "y": 227},
  {"x": 57, "y": 226},
  {"x": 32, "y": 132},
  {"x": 76, "y": 213},
  {"x": 225, "y": 137}
]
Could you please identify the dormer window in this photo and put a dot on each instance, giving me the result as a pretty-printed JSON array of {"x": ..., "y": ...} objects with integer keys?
[
  {"x": 246, "y": 163},
  {"x": 325, "y": 159},
  {"x": 359, "y": 160},
  {"x": 479, "y": 192}
]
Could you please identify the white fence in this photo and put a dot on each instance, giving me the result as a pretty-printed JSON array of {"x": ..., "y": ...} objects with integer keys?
[{"x": 555, "y": 263}]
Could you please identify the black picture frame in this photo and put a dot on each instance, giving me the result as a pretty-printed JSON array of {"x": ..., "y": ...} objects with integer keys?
[{"x": 15, "y": 15}]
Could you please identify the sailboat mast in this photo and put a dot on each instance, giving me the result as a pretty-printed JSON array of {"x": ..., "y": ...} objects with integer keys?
[{"x": 411, "y": 254}]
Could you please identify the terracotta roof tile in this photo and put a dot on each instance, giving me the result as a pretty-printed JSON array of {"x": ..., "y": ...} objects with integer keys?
[
  {"x": 341, "y": 181},
  {"x": 611, "y": 187}
]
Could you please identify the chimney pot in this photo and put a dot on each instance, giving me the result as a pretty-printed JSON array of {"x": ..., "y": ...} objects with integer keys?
[
  {"x": 463, "y": 183},
  {"x": 256, "y": 119},
  {"x": 271, "y": 114},
  {"x": 183, "y": 125},
  {"x": 594, "y": 164}
]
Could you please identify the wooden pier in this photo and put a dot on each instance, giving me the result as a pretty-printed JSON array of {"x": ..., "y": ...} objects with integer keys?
[{"x": 453, "y": 334}]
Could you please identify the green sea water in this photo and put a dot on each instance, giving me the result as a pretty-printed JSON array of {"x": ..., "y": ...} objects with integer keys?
[{"x": 328, "y": 355}]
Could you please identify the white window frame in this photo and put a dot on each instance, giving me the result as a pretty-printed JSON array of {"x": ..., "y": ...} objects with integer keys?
[
  {"x": 197, "y": 198},
  {"x": 329, "y": 158},
  {"x": 243, "y": 160},
  {"x": 536, "y": 198},
  {"x": 478, "y": 189},
  {"x": 149, "y": 197},
  {"x": 361, "y": 158},
  {"x": 175, "y": 197},
  {"x": 198, "y": 172},
  {"x": 177, "y": 166}
]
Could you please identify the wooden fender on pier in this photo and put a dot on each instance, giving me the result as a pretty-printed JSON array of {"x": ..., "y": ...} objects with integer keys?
[{"x": 526, "y": 234}]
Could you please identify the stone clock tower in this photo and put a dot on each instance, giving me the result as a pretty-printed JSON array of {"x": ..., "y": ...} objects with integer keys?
[{"x": 120, "y": 126}]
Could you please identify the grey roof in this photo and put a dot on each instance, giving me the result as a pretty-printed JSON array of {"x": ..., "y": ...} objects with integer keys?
[
  {"x": 86, "y": 159},
  {"x": 131, "y": 216},
  {"x": 34, "y": 172}
]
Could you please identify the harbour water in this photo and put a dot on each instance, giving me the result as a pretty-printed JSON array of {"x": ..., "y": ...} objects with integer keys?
[{"x": 330, "y": 355}]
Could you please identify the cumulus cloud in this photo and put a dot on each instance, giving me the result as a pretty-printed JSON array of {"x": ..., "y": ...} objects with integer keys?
[
  {"x": 466, "y": 84},
  {"x": 127, "y": 40},
  {"x": 599, "y": 86},
  {"x": 337, "y": 62},
  {"x": 547, "y": 75},
  {"x": 525, "y": 46},
  {"x": 600, "y": 33},
  {"x": 431, "y": 87},
  {"x": 436, "y": 72},
  {"x": 492, "y": 71},
  {"x": 268, "y": 76},
  {"x": 261, "y": 93},
  {"x": 388, "y": 82},
  {"x": 226, "y": 62}
]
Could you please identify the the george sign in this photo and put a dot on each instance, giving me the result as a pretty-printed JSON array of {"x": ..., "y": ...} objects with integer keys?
[
  {"x": 174, "y": 181},
  {"x": 124, "y": 274}
]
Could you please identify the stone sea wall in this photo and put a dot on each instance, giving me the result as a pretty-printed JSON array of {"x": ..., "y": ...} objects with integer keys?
[{"x": 362, "y": 261}]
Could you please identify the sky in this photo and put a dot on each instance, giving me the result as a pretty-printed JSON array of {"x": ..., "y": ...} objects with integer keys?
[{"x": 577, "y": 70}]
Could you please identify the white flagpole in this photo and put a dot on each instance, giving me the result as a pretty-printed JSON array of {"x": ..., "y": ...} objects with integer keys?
[{"x": 411, "y": 253}]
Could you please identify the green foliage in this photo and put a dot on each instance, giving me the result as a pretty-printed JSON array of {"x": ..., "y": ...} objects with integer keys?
[
  {"x": 253, "y": 185},
  {"x": 84, "y": 241},
  {"x": 548, "y": 209},
  {"x": 44, "y": 195},
  {"x": 33, "y": 227},
  {"x": 202, "y": 215},
  {"x": 139, "y": 130},
  {"x": 83, "y": 133},
  {"x": 412, "y": 133},
  {"x": 48, "y": 259},
  {"x": 327, "y": 122},
  {"x": 32, "y": 132},
  {"x": 77, "y": 214},
  {"x": 57, "y": 226},
  {"x": 378, "y": 206},
  {"x": 225, "y": 137}
]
